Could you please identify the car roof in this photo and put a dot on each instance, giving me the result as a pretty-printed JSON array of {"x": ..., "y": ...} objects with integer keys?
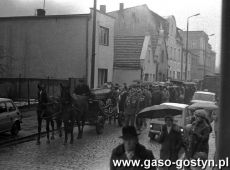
[
  {"x": 202, "y": 101},
  {"x": 205, "y": 92},
  {"x": 189, "y": 83},
  {"x": 4, "y": 99},
  {"x": 179, "y": 105}
]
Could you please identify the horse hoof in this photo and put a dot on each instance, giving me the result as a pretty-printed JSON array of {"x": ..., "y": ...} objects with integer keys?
[
  {"x": 65, "y": 143},
  {"x": 52, "y": 138},
  {"x": 38, "y": 143},
  {"x": 71, "y": 142},
  {"x": 48, "y": 141},
  {"x": 79, "y": 137}
]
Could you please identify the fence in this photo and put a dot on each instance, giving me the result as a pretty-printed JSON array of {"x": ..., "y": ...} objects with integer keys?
[{"x": 25, "y": 89}]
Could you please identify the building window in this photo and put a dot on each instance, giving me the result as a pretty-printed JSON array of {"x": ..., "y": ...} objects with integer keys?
[
  {"x": 104, "y": 36},
  {"x": 178, "y": 54},
  {"x": 102, "y": 76},
  {"x": 178, "y": 75},
  {"x": 154, "y": 77},
  {"x": 171, "y": 53},
  {"x": 174, "y": 54},
  {"x": 173, "y": 74},
  {"x": 146, "y": 77},
  {"x": 162, "y": 56},
  {"x": 149, "y": 55}
]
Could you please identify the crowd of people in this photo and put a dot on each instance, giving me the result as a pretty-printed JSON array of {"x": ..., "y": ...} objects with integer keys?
[
  {"x": 193, "y": 142},
  {"x": 131, "y": 99}
]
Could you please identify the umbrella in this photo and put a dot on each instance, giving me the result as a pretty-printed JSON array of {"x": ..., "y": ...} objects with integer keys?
[
  {"x": 159, "y": 111},
  {"x": 206, "y": 106}
]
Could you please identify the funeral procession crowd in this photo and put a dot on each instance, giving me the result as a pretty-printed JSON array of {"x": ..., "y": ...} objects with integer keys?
[
  {"x": 129, "y": 100},
  {"x": 118, "y": 90}
]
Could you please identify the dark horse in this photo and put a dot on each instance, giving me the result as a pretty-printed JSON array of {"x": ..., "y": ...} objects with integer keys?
[
  {"x": 74, "y": 108},
  {"x": 47, "y": 109}
]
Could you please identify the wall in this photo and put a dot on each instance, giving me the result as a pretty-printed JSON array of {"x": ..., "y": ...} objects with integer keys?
[
  {"x": 135, "y": 21},
  {"x": 198, "y": 45},
  {"x": 121, "y": 76},
  {"x": 24, "y": 89},
  {"x": 149, "y": 67},
  {"x": 161, "y": 59},
  {"x": 190, "y": 67},
  {"x": 45, "y": 46},
  {"x": 139, "y": 20},
  {"x": 174, "y": 48}
]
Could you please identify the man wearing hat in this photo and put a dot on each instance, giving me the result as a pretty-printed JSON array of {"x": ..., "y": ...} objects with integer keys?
[
  {"x": 131, "y": 107},
  {"x": 130, "y": 149},
  {"x": 199, "y": 134},
  {"x": 171, "y": 142},
  {"x": 82, "y": 88}
]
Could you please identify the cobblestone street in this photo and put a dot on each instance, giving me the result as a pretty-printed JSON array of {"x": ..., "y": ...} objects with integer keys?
[{"x": 90, "y": 153}]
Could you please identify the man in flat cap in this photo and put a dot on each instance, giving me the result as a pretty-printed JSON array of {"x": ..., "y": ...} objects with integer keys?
[
  {"x": 171, "y": 142},
  {"x": 130, "y": 149}
]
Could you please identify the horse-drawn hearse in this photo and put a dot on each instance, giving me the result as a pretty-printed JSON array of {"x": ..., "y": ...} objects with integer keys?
[
  {"x": 101, "y": 107},
  {"x": 91, "y": 108}
]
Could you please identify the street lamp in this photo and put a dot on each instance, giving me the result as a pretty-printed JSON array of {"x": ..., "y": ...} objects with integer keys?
[
  {"x": 205, "y": 53},
  {"x": 93, "y": 45},
  {"x": 186, "y": 57}
]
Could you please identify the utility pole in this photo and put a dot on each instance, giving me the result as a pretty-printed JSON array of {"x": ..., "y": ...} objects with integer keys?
[
  {"x": 182, "y": 56},
  {"x": 205, "y": 51},
  {"x": 44, "y": 4},
  {"x": 186, "y": 58},
  {"x": 93, "y": 45}
]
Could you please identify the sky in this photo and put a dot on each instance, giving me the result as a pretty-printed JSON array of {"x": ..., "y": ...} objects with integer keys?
[{"x": 209, "y": 19}]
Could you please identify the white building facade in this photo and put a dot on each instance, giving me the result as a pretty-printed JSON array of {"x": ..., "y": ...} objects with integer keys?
[
  {"x": 174, "y": 49},
  {"x": 104, "y": 48}
]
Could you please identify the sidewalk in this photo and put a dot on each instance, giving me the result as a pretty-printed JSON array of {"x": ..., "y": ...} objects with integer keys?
[{"x": 29, "y": 125}]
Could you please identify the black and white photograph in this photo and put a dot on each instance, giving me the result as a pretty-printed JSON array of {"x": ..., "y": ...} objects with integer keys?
[{"x": 114, "y": 85}]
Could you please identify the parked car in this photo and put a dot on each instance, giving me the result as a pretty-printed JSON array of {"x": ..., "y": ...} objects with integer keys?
[
  {"x": 157, "y": 113},
  {"x": 203, "y": 97},
  {"x": 10, "y": 117},
  {"x": 182, "y": 113}
]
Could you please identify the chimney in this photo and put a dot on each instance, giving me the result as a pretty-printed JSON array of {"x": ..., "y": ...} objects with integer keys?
[
  {"x": 41, "y": 12},
  {"x": 121, "y": 6},
  {"x": 103, "y": 8}
]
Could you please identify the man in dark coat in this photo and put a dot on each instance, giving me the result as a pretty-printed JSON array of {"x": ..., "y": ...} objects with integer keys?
[
  {"x": 171, "y": 141},
  {"x": 131, "y": 149},
  {"x": 82, "y": 89},
  {"x": 122, "y": 99},
  {"x": 156, "y": 95},
  {"x": 131, "y": 107},
  {"x": 165, "y": 95}
]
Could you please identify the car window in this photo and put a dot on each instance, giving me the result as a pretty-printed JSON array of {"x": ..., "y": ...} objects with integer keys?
[
  {"x": 10, "y": 106},
  {"x": 3, "y": 108},
  {"x": 206, "y": 97}
]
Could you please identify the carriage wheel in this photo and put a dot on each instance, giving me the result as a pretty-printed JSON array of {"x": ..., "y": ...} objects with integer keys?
[{"x": 100, "y": 125}]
